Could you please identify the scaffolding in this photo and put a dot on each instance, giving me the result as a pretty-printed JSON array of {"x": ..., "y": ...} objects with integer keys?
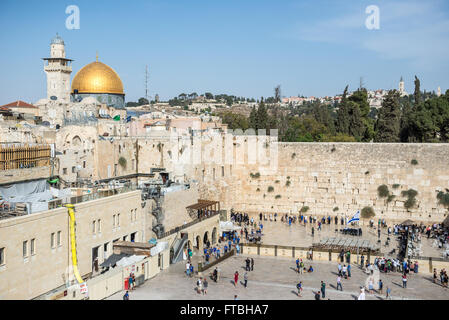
[{"x": 20, "y": 156}]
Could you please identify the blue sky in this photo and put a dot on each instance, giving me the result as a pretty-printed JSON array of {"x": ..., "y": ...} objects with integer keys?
[{"x": 240, "y": 47}]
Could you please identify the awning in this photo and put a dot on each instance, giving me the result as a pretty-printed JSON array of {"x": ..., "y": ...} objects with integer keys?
[
  {"x": 113, "y": 259},
  {"x": 226, "y": 226}
]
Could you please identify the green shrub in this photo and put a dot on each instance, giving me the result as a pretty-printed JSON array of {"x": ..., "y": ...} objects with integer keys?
[
  {"x": 258, "y": 189},
  {"x": 410, "y": 203},
  {"x": 410, "y": 193},
  {"x": 335, "y": 209},
  {"x": 304, "y": 209},
  {"x": 293, "y": 155},
  {"x": 414, "y": 162},
  {"x": 368, "y": 213},
  {"x": 396, "y": 185},
  {"x": 277, "y": 181},
  {"x": 278, "y": 196},
  {"x": 122, "y": 162},
  {"x": 255, "y": 175},
  {"x": 270, "y": 189},
  {"x": 382, "y": 191},
  {"x": 443, "y": 198},
  {"x": 367, "y": 172},
  {"x": 391, "y": 198},
  {"x": 287, "y": 183}
]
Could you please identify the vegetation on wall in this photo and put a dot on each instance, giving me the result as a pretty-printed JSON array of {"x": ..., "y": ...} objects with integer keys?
[
  {"x": 270, "y": 189},
  {"x": 368, "y": 212},
  {"x": 304, "y": 209},
  {"x": 122, "y": 162},
  {"x": 414, "y": 162},
  {"x": 278, "y": 196},
  {"x": 443, "y": 198},
  {"x": 335, "y": 209},
  {"x": 255, "y": 175},
  {"x": 396, "y": 185},
  {"x": 287, "y": 183},
  {"x": 383, "y": 191},
  {"x": 411, "y": 200}
]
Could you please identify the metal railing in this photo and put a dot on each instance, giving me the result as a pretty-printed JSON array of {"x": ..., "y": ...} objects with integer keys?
[{"x": 184, "y": 226}]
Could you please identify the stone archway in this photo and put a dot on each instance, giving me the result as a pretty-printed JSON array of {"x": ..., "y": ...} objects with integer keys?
[
  {"x": 206, "y": 238},
  {"x": 198, "y": 242},
  {"x": 214, "y": 235},
  {"x": 189, "y": 245}
]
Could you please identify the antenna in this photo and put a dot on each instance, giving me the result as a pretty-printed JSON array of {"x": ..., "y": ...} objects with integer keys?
[
  {"x": 146, "y": 82},
  {"x": 362, "y": 84}
]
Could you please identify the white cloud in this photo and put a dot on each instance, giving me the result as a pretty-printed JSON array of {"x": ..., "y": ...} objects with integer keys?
[{"x": 411, "y": 30}]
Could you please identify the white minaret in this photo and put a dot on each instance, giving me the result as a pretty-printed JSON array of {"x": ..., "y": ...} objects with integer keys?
[
  {"x": 439, "y": 92},
  {"x": 58, "y": 70},
  {"x": 402, "y": 87}
]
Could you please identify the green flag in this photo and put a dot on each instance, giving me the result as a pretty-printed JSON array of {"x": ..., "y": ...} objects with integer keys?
[{"x": 117, "y": 118}]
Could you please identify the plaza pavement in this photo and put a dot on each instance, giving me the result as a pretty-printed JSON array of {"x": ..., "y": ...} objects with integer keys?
[{"x": 274, "y": 278}]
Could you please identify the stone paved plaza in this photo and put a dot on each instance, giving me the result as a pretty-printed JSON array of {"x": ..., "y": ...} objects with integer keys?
[
  {"x": 280, "y": 233},
  {"x": 275, "y": 279}
]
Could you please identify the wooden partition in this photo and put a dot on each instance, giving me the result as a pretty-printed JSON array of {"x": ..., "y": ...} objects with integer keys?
[{"x": 21, "y": 156}]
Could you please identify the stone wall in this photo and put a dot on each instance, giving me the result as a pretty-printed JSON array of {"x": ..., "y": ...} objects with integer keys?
[
  {"x": 17, "y": 175},
  {"x": 324, "y": 176},
  {"x": 33, "y": 275}
]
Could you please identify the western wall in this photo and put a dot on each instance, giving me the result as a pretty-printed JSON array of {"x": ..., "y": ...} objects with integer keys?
[{"x": 335, "y": 179}]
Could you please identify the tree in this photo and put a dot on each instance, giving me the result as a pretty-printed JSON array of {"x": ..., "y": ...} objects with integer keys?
[
  {"x": 417, "y": 94},
  {"x": 389, "y": 119},
  {"x": 253, "y": 118},
  {"x": 342, "y": 124},
  {"x": 209, "y": 95},
  {"x": 235, "y": 121},
  {"x": 261, "y": 116},
  {"x": 142, "y": 101},
  {"x": 277, "y": 93}
]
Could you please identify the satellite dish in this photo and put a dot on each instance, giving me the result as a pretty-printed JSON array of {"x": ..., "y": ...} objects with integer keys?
[{"x": 54, "y": 98}]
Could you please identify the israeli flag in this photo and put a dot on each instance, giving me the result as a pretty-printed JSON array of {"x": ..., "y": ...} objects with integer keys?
[{"x": 356, "y": 217}]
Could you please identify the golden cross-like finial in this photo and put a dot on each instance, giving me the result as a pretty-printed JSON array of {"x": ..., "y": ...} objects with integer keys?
[{"x": 97, "y": 56}]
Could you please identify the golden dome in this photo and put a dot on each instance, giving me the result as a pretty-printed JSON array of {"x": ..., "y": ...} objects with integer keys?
[{"x": 97, "y": 77}]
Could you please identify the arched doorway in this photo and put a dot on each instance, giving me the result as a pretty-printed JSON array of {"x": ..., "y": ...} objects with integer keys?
[
  {"x": 206, "y": 238},
  {"x": 198, "y": 242},
  {"x": 189, "y": 245},
  {"x": 214, "y": 235}
]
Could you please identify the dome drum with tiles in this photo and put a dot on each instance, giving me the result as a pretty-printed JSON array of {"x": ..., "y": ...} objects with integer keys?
[{"x": 101, "y": 82}]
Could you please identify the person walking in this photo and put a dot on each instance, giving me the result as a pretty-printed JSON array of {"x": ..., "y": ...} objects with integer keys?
[
  {"x": 323, "y": 289},
  {"x": 404, "y": 281},
  {"x": 381, "y": 285},
  {"x": 434, "y": 275},
  {"x": 188, "y": 269},
  {"x": 349, "y": 271},
  {"x": 339, "y": 283},
  {"x": 236, "y": 278},
  {"x": 126, "y": 296},
  {"x": 388, "y": 296},
  {"x": 339, "y": 269},
  {"x": 299, "y": 287},
  {"x": 362, "y": 260},
  {"x": 245, "y": 278},
  {"x": 362, "y": 294},
  {"x": 130, "y": 282},
  {"x": 199, "y": 286},
  {"x": 252, "y": 264},
  {"x": 205, "y": 285}
]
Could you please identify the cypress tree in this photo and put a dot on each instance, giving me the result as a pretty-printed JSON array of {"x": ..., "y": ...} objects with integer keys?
[{"x": 388, "y": 122}]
